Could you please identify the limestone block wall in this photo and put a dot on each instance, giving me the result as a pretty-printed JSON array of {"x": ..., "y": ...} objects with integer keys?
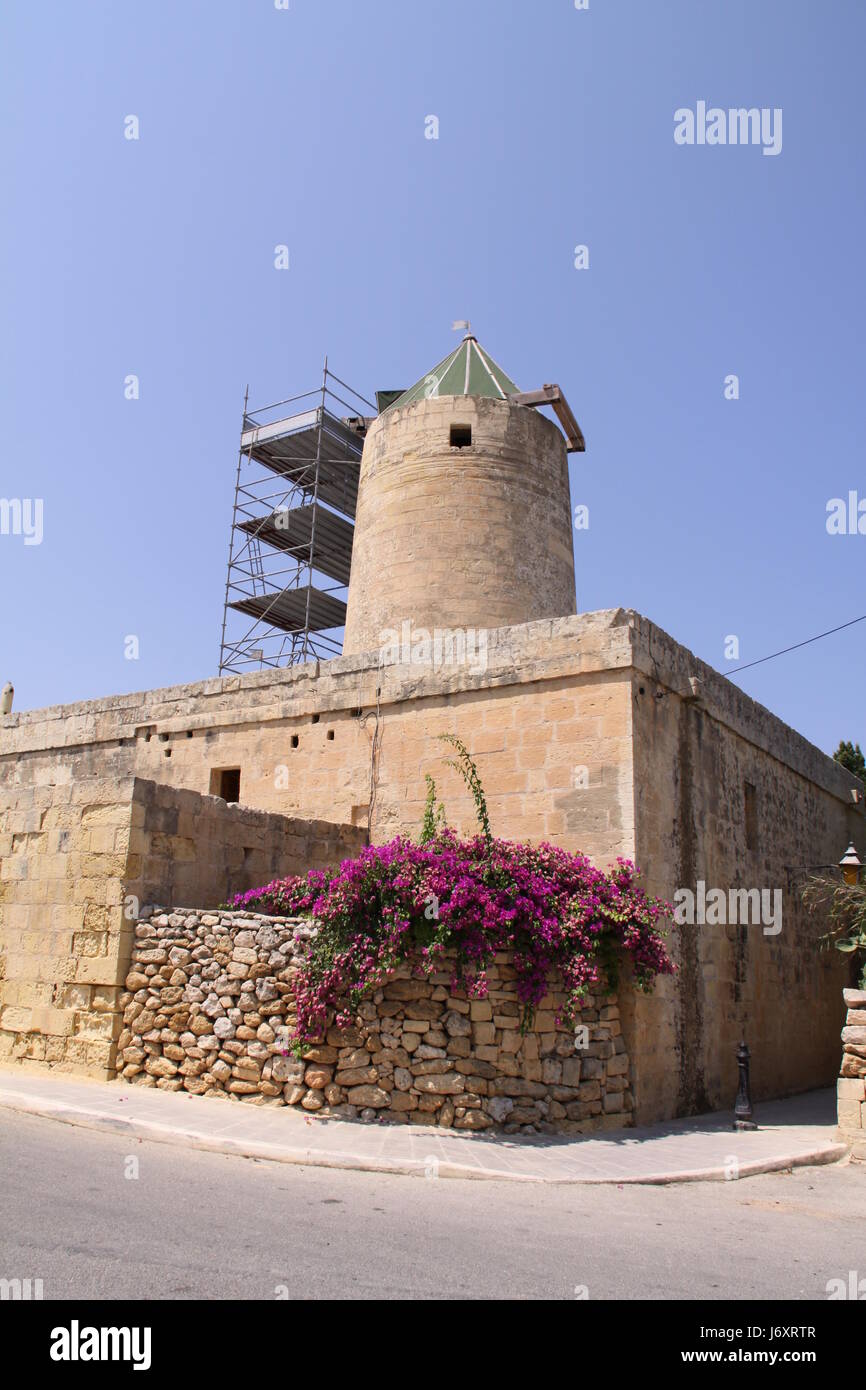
[
  {"x": 728, "y": 795},
  {"x": 473, "y": 537},
  {"x": 78, "y": 856},
  {"x": 64, "y": 852},
  {"x": 851, "y": 1086},
  {"x": 208, "y": 1003}
]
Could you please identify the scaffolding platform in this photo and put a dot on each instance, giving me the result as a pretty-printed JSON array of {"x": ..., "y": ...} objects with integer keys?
[
  {"x": 314, "y": 450},
  {"x": 288, "y": 610},
  {"x": 299, "y": 528}
]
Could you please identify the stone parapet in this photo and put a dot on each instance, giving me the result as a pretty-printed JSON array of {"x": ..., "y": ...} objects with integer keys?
[{"x": 573, "y": 648}]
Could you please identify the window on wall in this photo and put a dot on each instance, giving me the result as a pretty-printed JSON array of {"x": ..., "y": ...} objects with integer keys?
[
  {"x": 461, "y": 436},
  {"x": 226, "y": 782},
  {"x": 750, "y": 811}
]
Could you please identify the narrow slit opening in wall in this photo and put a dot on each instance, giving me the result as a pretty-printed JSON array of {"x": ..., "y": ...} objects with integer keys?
[
  {"x": 750, "y": 814},
  {"x": 295, "y": 740},
  {"x": 226, "y": 782},
  {"x": 461, "y": 436},
  {"x": 331, "y": 735}
]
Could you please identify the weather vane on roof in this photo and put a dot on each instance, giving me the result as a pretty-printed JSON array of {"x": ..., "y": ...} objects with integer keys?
[{"x": 462, "y": 323}]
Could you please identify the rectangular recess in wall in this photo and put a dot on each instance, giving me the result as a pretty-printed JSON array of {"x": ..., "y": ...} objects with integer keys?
[{"x": 226, "y": 782}]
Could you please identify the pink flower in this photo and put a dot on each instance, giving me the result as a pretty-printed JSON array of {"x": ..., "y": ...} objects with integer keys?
[{"x": 550, "y": 909}]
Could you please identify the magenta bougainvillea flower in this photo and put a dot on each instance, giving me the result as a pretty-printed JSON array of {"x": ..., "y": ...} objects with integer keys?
[{"x": 548, "y": 908}]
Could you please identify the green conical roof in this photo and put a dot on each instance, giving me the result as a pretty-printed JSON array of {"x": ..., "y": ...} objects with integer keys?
[{"x": 467, "y": 371}]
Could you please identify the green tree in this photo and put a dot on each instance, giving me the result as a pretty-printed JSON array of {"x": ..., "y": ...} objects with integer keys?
[{"x": 850, "y": 755}]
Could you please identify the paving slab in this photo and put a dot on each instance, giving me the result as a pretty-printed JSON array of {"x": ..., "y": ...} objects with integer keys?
[{"x": 792, "y": 1133}]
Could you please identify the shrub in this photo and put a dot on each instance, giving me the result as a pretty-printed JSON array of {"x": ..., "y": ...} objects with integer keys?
[
  {"x": 548, "y": 908},
  {"x": 844, "y": 905}
]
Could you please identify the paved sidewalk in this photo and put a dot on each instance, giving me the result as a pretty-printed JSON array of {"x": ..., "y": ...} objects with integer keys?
[{"x": 793, "y": 1133}]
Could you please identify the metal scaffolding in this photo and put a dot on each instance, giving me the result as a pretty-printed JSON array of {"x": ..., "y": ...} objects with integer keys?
[{"x": 290, "y": 551}]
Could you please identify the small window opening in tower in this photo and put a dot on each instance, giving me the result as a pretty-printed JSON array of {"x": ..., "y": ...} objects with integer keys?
[
  {"x": 226, "y": 782},
  {"x": 461, "y": 436}
]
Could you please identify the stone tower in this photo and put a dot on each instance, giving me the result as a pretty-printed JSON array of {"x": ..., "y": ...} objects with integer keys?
[{"x": 464, "y": 517}]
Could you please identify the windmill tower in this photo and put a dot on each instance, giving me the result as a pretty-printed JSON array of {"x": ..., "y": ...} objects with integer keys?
[{"x": 463, "y": 518}]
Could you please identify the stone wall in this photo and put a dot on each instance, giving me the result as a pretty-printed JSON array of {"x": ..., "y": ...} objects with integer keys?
[
  {"x": 63, "y": 936},
  {"x": 699, "y": 756},
  {"x": 78, "y": 855},
  {"x": 851, "y": 1086},
  {"x": 208, "y": 1001}
]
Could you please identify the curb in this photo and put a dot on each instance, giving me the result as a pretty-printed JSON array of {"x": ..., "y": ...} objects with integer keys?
[
  {"x": 784, "y": 1163},
  {"x": 151, "y": 1130}
]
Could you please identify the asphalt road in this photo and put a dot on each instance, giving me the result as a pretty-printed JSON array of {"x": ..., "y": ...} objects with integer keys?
[{"x": 199, "y": 1225}]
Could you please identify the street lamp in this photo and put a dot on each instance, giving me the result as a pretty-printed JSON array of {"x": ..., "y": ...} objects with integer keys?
[{"x": 850, "y": 866}]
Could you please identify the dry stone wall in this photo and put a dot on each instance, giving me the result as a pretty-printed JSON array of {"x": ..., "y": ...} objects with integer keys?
[
  {"x": 208, "y": 1008},
  {"x": 851, "y": 1087}
]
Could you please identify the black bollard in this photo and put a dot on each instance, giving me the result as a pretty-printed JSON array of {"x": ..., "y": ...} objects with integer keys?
[{"x": 743, "y": 1104}]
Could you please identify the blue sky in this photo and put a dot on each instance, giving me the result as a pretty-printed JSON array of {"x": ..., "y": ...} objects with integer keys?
[{"x": 306, "y": 127}]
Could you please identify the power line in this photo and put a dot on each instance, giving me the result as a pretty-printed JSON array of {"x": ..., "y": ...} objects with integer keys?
[{"x": 796, "y": 645}]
